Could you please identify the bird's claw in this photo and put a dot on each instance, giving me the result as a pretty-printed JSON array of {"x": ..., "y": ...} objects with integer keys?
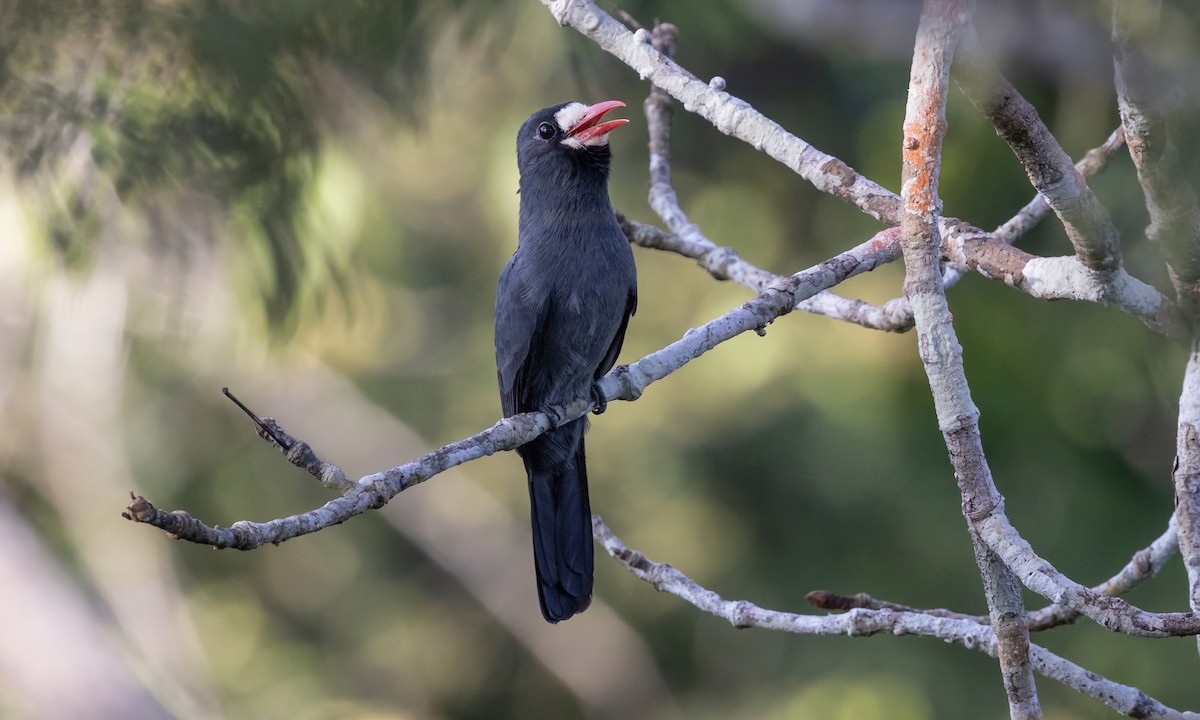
[
  {"x": 553, "y": 415},
  {"x": 599, "y": 401}
]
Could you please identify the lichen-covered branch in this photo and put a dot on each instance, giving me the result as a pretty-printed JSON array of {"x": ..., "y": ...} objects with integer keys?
[
  {"x": 1057, "y": 278},
  {"x": 1088, "y": 225},
  {"x": 1144, "y": 565},
  {"x": 729, "y": 114},
  {"x": 1062, "y": 278},
  {"x": 1142, "y": 100},
  {"x": 1175, "y": 228},
  {"x": 862, "y": 622},
  {"x": 723, "y": 262},
  {"x": 1037, "y": 574},
  {"x": 1092, "y": 162},
  {"x": 735, "y": 117},
  {"x": 938, "y": 34}
]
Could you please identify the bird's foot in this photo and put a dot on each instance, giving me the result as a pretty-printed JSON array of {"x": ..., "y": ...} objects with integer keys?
[
  {"x": 599, "y": 401},
  {"x": 552, "y": 413}
]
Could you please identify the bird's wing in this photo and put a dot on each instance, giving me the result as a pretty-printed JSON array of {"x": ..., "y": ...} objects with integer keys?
[
  {"x": 614, "y": 348},
  {"x": 520, "y": 318}
]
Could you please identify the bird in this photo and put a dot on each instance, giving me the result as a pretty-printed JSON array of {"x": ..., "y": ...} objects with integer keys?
[{"x": 563, "y": 302}]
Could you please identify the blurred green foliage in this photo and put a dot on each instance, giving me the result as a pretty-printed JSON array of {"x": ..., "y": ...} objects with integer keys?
[{"x": 284, "y": 186}]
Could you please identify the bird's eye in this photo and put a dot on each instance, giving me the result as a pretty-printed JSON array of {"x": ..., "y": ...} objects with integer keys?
[{"x": 546, "y": 131}]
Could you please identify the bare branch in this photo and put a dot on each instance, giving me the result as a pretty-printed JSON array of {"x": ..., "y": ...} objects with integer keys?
[
  {"x": 723, "y": 263},
  {"x": 938, "y": 34},
  {"x": 1040, "y": 576},
  {"x": 1170, "y": 199},
  {"x": 1050, "y": 170},
  {"x": 861, "y": 622},
  {"x": 734, "y": 116},
  {"x": 1032, "y": 213},
  {"x": 1144, "y": 565},
  {"x": 1043, "y": 277},
  {"x": 1027, "y": 217},
  {"x": 731, "y": 115},
  {"x": 1058, "y": 278},
  {"x": 626, "y": 382},
  {"x": 1175, "y": 227},
  {"x": 1061, "y": 278}
]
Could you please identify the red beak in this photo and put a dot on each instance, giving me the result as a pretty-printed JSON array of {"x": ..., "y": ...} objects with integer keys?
[{"x": 589, "y": 126}]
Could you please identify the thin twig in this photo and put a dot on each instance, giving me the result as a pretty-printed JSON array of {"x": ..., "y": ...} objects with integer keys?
[
  {"x": 826, "y": 600},
  {"x": 264, "y": 429},
  {"x": 297, "y": 452}
]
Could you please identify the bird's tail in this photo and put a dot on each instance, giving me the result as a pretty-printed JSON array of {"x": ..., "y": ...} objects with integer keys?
[{"x": 562, "y": 521}]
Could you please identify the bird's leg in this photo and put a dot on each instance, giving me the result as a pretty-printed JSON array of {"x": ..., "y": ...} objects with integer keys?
[{"x": 598, "y": 399}]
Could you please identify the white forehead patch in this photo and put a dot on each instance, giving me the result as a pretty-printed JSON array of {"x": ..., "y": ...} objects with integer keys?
[{"x": 569, "y": 115}]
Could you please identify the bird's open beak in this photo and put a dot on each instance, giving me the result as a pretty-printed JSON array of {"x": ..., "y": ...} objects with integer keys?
[{"x": 589, "y": 129}]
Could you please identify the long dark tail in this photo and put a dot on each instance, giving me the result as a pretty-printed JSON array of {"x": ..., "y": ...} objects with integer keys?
[{"x": 562, "y": 521}]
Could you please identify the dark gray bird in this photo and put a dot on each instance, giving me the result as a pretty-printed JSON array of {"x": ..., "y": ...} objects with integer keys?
[{"x": 562, "y": 306}]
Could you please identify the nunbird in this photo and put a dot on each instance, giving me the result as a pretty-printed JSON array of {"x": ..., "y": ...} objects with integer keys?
[{"x": 562, "y": 305}]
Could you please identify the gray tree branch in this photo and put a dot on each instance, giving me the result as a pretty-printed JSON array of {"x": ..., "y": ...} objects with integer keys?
[
  {"x": 1187, "y": 475},
  {"x": 1142, "y": 101},
  {"x": 1088, "y": 225},
  {"x": 861, "y": 622},
  {"x": 1094, "y": 161},
  {"x": 1175, "y": 228},
  {"x": 1144, "y": 565},
  {"x": 626, "y": 382},
  {"x": 924, "y": 237},
  {"x": 721, "y": 262},
  {"x": 1054, "y": 279}
]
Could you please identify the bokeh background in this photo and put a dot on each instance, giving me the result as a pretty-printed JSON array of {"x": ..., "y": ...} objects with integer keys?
[{"x": 309, "y": 202}]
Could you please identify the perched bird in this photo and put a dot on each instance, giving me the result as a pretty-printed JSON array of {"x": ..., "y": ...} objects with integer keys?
[{"x": 562, "y": 305}]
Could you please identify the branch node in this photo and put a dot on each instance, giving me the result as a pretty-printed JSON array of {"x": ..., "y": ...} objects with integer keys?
[
  {"x": 742, "y": 615},
  {"x": 140, "y": 510}
]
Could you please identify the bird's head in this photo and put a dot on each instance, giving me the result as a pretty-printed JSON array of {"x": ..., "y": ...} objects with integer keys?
[{"x": 567, "y": 138}]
